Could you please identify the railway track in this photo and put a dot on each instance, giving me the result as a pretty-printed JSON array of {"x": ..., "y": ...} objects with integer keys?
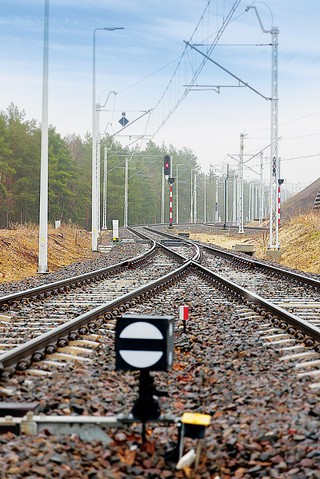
[
  {"x": 62, "y": 309},
  {"x": 288, "y": 291},
  {"x": 225, "y": 338},
  {"x": 55, "y": 304}
]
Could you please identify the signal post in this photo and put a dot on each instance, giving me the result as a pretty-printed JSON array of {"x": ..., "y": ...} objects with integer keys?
[{"x": 167, "y": 171}]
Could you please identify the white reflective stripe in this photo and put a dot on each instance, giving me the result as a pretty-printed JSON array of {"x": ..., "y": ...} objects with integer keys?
[
  {"x": 140, "y": 359},
  {"x": 141, "y": 330}
]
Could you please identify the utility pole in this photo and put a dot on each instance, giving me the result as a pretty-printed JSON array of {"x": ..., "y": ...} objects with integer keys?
[
  {"x": 216, "y": 209},
  {"x": 191, "y": 197},
  {"x": 205, "y": 199},
  {"x": 234, "y": 203},
  {"x": 240, "y": 186},
  {"x": 195, "y": 219},
  {"x": 274, "y": 167},
  {"x": 95, "y": 207},
  {"x": 177, "y": 191},
  {"x": 104, "y": 189},
  {"x": 43, "y": 218},
  {"x": 261, "y": 203},
  {"x": 226, "y": 198}
]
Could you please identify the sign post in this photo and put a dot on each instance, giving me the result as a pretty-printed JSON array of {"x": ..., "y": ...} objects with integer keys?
[
  {"x": 184, "y": 315},
  {"x": 115, "y": 230},
  {"x": 145, "y": 343}
]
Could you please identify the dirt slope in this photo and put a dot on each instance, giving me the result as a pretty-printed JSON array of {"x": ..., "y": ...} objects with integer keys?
[
  {"x": 19, "y": 250},
  {"x": 300, "y": 203},
  {"x": 299, "y": 241}
]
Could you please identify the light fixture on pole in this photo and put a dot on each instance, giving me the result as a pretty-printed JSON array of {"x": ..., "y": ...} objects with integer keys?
[
  {"x": 43, "y": 215},
  {"x": 95, "y": 166}
]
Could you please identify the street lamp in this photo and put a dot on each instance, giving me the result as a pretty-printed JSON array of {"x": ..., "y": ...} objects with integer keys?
[{"x": 95, "y": 166}]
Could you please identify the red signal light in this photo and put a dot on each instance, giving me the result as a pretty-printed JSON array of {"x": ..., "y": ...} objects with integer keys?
[{"x": 166, "y": 165}]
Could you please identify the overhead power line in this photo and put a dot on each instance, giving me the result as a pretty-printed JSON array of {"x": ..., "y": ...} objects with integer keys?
[{"x": 224, "y": 23}]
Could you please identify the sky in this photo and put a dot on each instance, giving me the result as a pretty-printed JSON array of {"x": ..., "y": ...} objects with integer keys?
[{"x": 150, "y": 71}]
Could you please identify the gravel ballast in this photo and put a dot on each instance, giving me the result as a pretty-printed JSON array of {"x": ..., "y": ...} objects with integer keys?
[{"x": 265, "y": 422}]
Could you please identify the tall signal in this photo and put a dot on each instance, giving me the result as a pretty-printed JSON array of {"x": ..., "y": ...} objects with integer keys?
[{"x": 166, "y": 165}]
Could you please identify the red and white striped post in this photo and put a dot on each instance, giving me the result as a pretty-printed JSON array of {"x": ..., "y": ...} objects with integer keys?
[
  {"x": 280, "y": 181},
  {"x": 184, "y": 315},
  {"x": 170, "y": 206}
]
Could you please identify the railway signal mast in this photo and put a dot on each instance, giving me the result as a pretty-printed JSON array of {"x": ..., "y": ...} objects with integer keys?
[
  {"x": 273, "y": 246},
  {"x": 167, "y": 171},
  {"x": 274, "y": 159}
]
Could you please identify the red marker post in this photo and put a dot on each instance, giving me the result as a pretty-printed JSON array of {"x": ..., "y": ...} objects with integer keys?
[{"x": 184, "y": 315}]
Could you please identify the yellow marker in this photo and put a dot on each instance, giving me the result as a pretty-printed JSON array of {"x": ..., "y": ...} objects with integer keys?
[{"x": 196, "y": 419}]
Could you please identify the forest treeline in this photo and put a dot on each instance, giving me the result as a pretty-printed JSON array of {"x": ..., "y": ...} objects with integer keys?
[{"x": 70, "y": 176}]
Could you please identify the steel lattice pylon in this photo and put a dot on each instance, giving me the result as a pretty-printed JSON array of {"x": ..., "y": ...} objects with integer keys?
[{"x": 274, "y": 158}]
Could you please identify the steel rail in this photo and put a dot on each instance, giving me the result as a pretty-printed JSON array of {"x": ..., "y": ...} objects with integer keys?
[
  {"x": 169, "y": 251},
  {"x": 252, "y": 263},
  {"x": 39, "y": 291},
  {"x": 261, "y": 305},
  {"x": 195, "y": 257},
  {"x": 36, "y": 348}
]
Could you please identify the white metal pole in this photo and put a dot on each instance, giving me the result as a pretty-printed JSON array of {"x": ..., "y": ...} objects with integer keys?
[
  {"x": 217, "y": 201},
  {"x": 274, "y": 173},
  {"x": 126, "y": 181},
  {"x": 95, "y": 213},
  {"x": 191, "y": 198},
  {"x": 205, "y": 200},
  {"x": 43, "y": 214},
  {"x": 94, "y": 150},
  {"x": 177, "y": 191},
  {"x": 98, "y": 172},
  {"x": 105, "y": 187},
  {"x": 261, "y": 190},
  {"x": 177, "y": 194},
  {"x": 240, "y": 180},
  {"x": 234, "y": 201},
  {"x": 250, "y": 213},
  {"x": 195, "y": 198}
]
